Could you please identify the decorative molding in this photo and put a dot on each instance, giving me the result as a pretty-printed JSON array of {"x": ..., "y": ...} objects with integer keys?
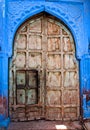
[{"x": 70, "y": 14}]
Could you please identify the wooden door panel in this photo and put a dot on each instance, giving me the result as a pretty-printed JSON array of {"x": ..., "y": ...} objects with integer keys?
[
  {"x": 35, "y": 26},
  {"x": 52, "y": 99},
  {"x": 34, "y": 112},
  {"x": 23, "y": 29},
  {"x": 54, "y": 61},
  {"x": 53, "y": 44},
  {"x": 31, "y": 96},
  {"x": 21, "y": 59},
  {"x": 70, "y": 113},
  {"x": 19, "y": 114},
  {"x": 53, "y": 28},
  {"x": 35, "y": 60},
  {"x": 20, "y": 96},
  {"x": 69, "y": 62},
  {"x": 65, "y": 31},
  {"x": 35, "y": 42},
  {"x": 33, "y": 79},
  {"x": 21, "y": 41},
  {"x": 20, "y": 78},
  {"x": 70, "y": 79},
  {"x": 69, "y": 97},
  {"x": 53, "y": 79},
  {"x": 53, "y": 113},
  {"x": 68, "y": 44}
]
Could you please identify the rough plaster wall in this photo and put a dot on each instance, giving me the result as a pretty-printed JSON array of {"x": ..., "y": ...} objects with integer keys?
[{"x": 87, "y": 18}]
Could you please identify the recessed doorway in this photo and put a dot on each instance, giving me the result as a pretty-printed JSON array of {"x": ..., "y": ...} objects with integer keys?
[{"x": 43, "y": 72}]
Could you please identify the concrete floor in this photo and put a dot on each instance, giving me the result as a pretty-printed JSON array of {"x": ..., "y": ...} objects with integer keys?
[
  {"x": 45, "y": 125},
  {"x": 87, "y": 125}
]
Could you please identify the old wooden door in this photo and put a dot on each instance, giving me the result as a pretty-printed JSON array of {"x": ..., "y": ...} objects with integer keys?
[{"x": 44, "y": 79}]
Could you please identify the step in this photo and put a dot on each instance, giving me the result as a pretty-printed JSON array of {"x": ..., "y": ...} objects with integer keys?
[{"x": 45, "y": 125}]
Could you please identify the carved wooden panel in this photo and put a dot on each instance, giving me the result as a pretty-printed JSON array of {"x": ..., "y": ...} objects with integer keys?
[
  {"x": 44, "y": 78},
  {"x": 35, "y": 60},
  {"x": 54, "y": 79},
  {"x": 70, "y": 113},
  {"x": 32, "y": 79},
  {"x": 20, "y": 96},
  {"x": 35, "y": 26},
  {"x": 21, "y": 41},
  {"x": 52, "y": 99},
  {"x": 54, "y": 61},
  {"x": 35, "y": 42},
  {"x": 68, "y": 44},
  {"x": 71, "y": 96},
  {"x": 69, "y": 62},
  {"x": 53, "y": 28},
  {"x": 53, "y": 44},
  {"x": 70, "y": 79},
  {"x": 53, "y": 113},
  {"x": 20, "y": 59},
  {"x": 31, "y": 96},
  {"x": 21, "y": 78}
]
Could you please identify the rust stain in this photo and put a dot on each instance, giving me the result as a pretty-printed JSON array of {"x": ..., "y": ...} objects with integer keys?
[
  {"x": 3, "y": 106},
  {"x": 87, "y": 93}
]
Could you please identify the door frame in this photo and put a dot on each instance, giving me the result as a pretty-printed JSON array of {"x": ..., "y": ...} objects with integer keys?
[{"x": 64, "y": 25}]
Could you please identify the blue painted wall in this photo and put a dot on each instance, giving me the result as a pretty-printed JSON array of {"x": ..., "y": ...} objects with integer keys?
[
  {"x": 87, "y": 16},
  {"x": 74, "y": 13}
]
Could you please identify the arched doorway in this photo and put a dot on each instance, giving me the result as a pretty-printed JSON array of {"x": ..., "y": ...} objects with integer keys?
[{"x": 44, "y": 79}]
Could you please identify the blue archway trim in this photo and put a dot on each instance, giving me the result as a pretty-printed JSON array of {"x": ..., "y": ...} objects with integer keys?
[{"x": 54, "y": 9}]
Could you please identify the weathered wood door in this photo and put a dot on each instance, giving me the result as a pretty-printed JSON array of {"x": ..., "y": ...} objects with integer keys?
[{"x": 44, "y": 79}]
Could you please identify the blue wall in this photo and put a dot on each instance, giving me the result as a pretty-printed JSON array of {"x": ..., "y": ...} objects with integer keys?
[
  {"x": 74, "y": 13},
  {"x": 87, "y": 17}
]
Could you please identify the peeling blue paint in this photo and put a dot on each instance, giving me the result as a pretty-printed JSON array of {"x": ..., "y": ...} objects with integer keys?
[
  {"x": 4, "y": 123},
  {"x": 74, "y": 13}
]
